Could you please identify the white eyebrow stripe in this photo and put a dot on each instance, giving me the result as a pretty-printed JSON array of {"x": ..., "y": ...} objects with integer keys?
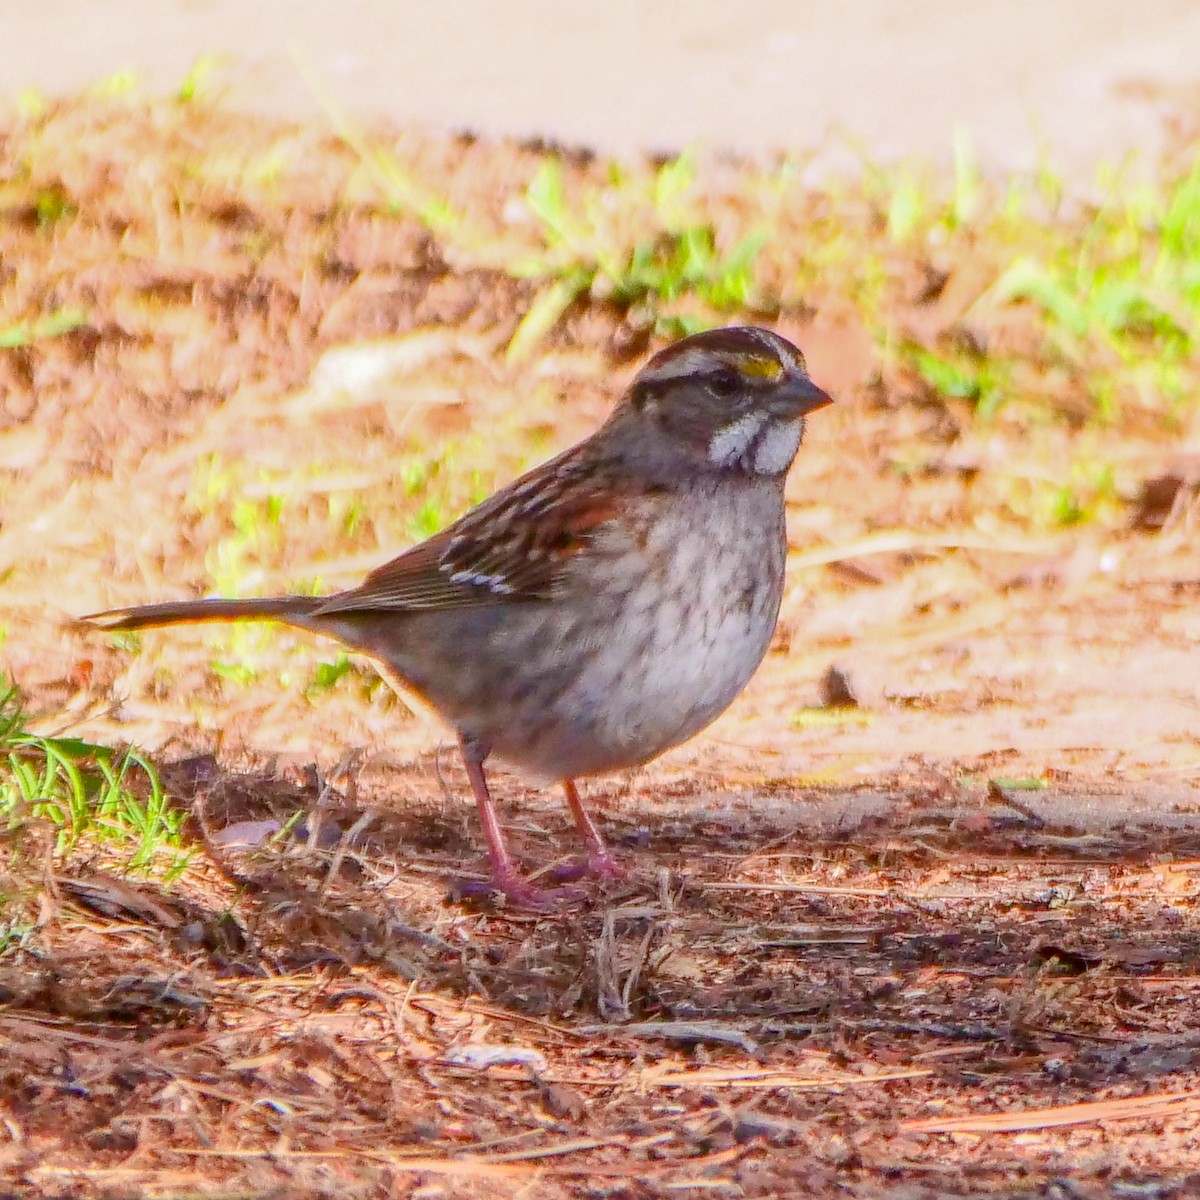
[
  {"x": 788, "y": 355},
  {"x": 686, "y": 362}
]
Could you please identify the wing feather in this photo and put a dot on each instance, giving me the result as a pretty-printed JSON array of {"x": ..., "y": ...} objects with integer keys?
[{"x": 516, "y": 546}]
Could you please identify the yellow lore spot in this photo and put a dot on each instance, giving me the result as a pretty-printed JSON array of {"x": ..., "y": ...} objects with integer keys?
[{"x": 760, "y": 367}]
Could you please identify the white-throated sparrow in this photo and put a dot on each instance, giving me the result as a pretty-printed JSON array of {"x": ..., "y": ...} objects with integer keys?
[{"x": 602, "y": 608}]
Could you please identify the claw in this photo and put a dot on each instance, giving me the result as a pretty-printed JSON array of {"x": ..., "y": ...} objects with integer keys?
[
  {"x": 601, "y": 866},
  {"x": 518, "y": 893}
]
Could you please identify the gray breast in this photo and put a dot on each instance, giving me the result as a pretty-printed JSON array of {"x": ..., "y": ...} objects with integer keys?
[{"x": 643, "y": 651}]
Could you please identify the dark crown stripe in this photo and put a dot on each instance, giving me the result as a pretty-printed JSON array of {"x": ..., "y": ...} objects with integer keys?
[{"x": 715, "y": 348}]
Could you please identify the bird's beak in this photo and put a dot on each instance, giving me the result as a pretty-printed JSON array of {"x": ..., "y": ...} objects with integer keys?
[{"x": 797, "y": 396}]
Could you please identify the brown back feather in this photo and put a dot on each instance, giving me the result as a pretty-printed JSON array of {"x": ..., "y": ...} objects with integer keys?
[{"x": 515, "y": 546}]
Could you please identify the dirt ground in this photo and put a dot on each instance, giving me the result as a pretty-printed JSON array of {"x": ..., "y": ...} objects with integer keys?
[{"x": 940, "y": 942}]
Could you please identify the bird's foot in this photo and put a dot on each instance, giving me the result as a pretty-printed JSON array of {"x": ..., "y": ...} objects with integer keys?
[
  {"x": 600, "y": 865},
  {"x": 518, "y": 893}
]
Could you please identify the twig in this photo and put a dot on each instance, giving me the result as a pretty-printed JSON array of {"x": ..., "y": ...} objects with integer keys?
[
  {"x": 904, "y": 542},
  {"x": 681, "y": 1031},
  {"x": 1167, "y": 1104},
  {"x": 817, "y": 889},
  {"x": 773, "y": 1079},
  {"x": 344, "y": 843},
  {"x": 551, "y": 1151},
  {"x": 939, "y": 1029}
]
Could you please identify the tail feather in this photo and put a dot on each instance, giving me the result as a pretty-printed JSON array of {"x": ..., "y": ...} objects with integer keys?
[{"x": 292, "y": 610}]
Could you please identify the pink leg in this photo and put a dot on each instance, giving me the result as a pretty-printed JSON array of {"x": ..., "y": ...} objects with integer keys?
[
  {"x": 505, "y": 877},
  {"x": 599, "y": 861}
]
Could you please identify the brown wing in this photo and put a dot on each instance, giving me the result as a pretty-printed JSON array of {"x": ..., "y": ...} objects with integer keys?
[{"x": 515, "y": 546}]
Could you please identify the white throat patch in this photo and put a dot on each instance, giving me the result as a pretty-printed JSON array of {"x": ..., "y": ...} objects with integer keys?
[
  {"x": 777, "y": 447},
  {"x": 767, "y": 451},
  {"x": 731, "y": 442}
]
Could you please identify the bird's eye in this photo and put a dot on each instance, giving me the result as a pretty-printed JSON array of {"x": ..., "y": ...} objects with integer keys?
[{"x": 724, "y": 381}]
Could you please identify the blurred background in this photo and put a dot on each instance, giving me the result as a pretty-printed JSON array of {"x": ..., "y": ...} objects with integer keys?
[{"x": 1075, "y": 80}]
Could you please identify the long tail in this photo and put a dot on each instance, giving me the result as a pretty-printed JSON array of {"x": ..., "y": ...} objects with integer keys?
[{"x": 292, "y": 610}]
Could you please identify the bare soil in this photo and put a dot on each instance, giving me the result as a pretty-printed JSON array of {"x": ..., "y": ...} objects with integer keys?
[{"x": 854, "y": 953}]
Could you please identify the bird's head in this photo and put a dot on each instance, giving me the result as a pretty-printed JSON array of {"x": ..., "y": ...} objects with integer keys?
[{"x": 726, "y": 400}]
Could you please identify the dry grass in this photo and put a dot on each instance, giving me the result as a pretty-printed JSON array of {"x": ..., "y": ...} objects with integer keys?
[{"x": 820, "y": 1005}]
